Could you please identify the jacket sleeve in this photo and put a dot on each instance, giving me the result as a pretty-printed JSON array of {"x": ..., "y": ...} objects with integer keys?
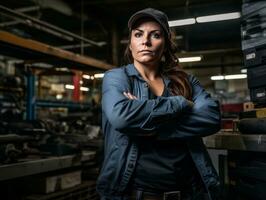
[
  {"x": 202, "y": 120},
  {"x": 137, "y": 117}
]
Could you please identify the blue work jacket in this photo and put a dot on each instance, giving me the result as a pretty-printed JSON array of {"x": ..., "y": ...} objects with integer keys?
[{"x": 164, "y": 117}]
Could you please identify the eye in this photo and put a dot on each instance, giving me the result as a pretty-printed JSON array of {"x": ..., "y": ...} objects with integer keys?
[
  {"x": 156, "y": 35},
  {"x": 138, "y": 34}
]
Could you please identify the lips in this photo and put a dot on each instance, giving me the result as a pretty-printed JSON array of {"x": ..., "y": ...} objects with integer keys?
[{"x": 146, "y": 51}]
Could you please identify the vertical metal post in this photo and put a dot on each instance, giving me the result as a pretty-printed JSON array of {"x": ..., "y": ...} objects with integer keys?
[
  {"x": 31, "y": 100},
  {"x": 115, "y": 44},
  {"x": 76, "y": 91},
  {"x": 82, "y": 27}
]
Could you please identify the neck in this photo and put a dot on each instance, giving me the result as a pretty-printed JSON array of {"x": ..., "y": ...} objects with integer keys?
[{"x": 148, "y": 72}]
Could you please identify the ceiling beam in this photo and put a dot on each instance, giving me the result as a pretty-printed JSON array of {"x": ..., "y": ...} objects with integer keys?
[{"x": 34, "y": 50}]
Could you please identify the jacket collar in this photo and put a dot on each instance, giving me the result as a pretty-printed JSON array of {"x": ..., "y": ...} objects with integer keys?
[{"x": 132, "y": 71}]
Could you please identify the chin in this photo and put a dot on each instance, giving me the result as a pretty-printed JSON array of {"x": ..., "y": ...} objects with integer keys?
[{"x": 147, "y": 60}]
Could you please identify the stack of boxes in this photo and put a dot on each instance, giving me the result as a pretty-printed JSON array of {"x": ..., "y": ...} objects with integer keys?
[
  {"x": 253, "y": 29},
  {"x": 247, "y": 169}
]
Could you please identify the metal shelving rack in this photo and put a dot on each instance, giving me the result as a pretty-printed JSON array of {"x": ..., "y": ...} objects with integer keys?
[{"x": 30, "y": 51}]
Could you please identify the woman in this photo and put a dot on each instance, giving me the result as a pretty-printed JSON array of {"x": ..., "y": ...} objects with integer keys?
[{"x": 154, "y": 116}]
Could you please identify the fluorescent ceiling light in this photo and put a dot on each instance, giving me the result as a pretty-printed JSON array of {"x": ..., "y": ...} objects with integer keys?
[
  {"x": 84, "y": 89},
  {"x": 216, "y": 78},
  {"x": 64, "y": 69},
  {"x": 98, "y": 75},
  {"x": 92, "y": 77},
  {"x": 235, "y": 76},
  {"x": 70, "y": 87},
  {"x": 228, "y": 77},
  {"x": 179, "y": 37},
  {"x": 86, "y": 76},
  {"x": 59, "y": 96},
  {"x": 182, "y": 22},
  {"x": 42, "y": 65},
  {"x": 219, "y": 17},
  {"x": 190, "y": 59},
  {"x": 244, "y": 71}
]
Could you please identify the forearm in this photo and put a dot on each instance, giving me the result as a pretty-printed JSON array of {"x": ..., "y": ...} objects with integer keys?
[
  {"x": 202, "y": 120},
  {"x": 136, "y": 116},
  {"x": 192, "y": 124},
  {"x": 143, "y": 116}
]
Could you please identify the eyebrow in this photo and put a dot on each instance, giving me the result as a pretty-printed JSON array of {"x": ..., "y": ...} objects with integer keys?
[{"x": 136, "y": 29}]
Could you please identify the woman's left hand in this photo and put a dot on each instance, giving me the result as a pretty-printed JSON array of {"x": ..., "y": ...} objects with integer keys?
[{"x": 129, "y": 95}]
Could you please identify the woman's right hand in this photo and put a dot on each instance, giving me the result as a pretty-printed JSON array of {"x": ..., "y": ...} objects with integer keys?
[
  {"x": 129, "y": 95},
  {"x": 190, "y": 103}
]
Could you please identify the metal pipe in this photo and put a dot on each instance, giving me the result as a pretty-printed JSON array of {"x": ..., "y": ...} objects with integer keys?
[
  {"x": 23, "y": 9},
  {"x": 74, "y": 46},
  {"x": 28, "y": 9},
  {"x": 21, "y": 16},
  {"x": 82, "y": 27},
  {"x": 55, "y": 33}
]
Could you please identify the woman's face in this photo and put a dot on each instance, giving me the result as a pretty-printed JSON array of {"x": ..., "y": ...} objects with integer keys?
[{"x": 147, "y": 43}]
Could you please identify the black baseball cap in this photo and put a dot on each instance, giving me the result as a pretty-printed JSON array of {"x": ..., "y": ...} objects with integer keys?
[{"x": 157, "y": 15}]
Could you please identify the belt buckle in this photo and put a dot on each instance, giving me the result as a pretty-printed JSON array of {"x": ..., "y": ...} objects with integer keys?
[{"x": 173, "y": 195}]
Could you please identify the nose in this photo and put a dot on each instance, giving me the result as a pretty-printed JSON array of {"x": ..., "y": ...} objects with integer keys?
[{"x": 146, "y": 40}]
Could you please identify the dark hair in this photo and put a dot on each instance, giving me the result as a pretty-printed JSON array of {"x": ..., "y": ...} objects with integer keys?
[{"x": 170, "y": 67}]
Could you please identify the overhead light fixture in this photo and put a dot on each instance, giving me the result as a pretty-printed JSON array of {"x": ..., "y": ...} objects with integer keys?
[
  {"x": 98, "y": 75},
  {"x": 70, "y": 87},
  {"x": 216, "y": 78},
  {"x": 179, "y": 37},
  {"x": 86, "y": 76},
  {"x": 244, "y": 71},
  {"x": 84, "y": 89},
  {"x": 42, "y": 65},
  {"x": 228, "y": 77},
  {"x": 182, "y": 22},
  {"x": 235, "y": 76},
  {"x": 204, "y": 19},
  {"x": 63, "y": 69},
  {"x": 218, "y": 17},
  {"x": 59, "y": 96},
  {"x": 190, "y": 59}
]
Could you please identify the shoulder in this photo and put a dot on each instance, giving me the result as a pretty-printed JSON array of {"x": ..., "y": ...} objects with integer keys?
[
  {"x": 115, "y": 73},
  {"x": 197, "y": 88},
  {"x": 193, "y": 80},
  {"x": 117, "y": 78}
]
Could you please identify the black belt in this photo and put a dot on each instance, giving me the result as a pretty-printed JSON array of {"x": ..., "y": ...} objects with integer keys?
[{"x": 144, "y": 195}]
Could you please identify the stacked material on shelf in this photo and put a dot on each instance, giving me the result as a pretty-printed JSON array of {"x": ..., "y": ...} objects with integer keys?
[{"x": 253, "y": 28}]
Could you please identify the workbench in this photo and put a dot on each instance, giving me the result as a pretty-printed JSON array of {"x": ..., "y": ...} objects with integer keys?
[
  {"x": 236, "y": 141},
  {"x": 37, "y": 166},
  {"x": 240, "y": 160}
]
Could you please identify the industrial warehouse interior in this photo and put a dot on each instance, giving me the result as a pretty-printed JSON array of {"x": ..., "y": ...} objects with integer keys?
[{"x": 53, "y": 59}]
